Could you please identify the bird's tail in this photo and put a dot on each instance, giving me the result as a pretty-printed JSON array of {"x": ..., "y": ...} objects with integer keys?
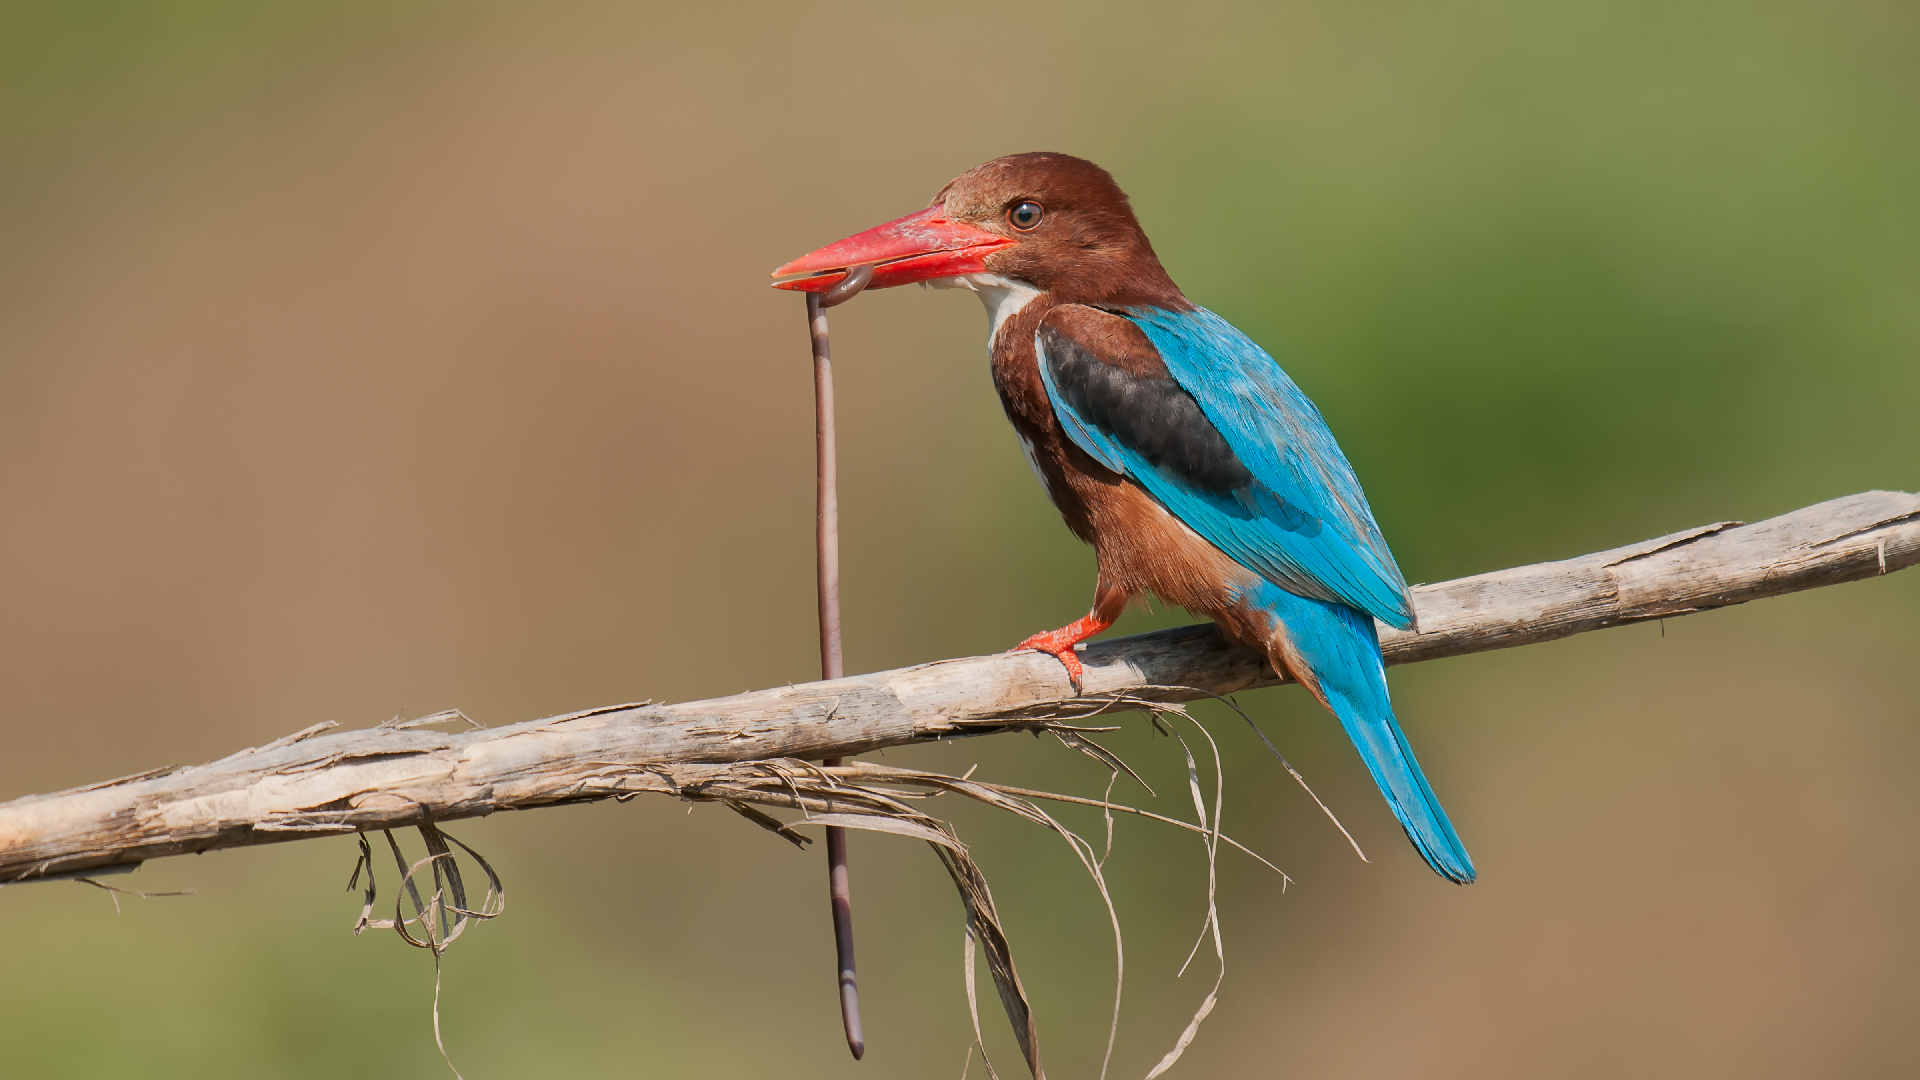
[{"x": 1333, "y": 650}]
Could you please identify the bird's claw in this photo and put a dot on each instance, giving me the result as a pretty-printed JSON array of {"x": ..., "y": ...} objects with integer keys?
[{"x": 1060, "y": 645}]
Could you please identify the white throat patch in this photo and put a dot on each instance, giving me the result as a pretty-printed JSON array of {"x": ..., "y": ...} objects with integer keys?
[{"x": 1003, "y": 297}]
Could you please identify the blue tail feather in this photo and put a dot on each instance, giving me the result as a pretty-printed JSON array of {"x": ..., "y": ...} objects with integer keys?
[{"x": 1340, "y": 647}]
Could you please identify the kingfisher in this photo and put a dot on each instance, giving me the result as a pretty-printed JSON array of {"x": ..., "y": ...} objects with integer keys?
[{"x": 1168, "y": 441}]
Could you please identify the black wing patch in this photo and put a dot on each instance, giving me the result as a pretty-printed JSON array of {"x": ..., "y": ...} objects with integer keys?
[{"x": 1151, "y": 415}]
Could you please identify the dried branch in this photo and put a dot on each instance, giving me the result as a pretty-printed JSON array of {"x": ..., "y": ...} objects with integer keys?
[{"x": 316, "y": 783}]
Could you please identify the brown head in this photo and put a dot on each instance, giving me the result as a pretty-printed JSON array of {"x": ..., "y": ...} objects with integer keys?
[{"x": 1054, "y": 223}]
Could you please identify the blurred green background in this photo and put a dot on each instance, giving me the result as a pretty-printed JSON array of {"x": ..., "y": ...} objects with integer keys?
[{"x": 368, "y": 358}]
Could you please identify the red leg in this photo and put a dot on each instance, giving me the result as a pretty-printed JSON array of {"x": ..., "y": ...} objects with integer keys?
[{"x": 1108, "y": 603}]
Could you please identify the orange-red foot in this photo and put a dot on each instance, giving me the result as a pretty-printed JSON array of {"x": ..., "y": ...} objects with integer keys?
[{"x": 1059, "y": 643}]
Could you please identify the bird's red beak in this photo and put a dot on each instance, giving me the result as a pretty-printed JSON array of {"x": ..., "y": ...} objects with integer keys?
[{"x": 918, "y": 247}]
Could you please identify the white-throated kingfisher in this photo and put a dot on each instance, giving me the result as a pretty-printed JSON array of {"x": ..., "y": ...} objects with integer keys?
[{"x": 1169, "y": 441}]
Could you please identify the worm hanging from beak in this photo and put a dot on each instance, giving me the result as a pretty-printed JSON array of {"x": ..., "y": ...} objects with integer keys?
[{"x": 827, "y": 544}]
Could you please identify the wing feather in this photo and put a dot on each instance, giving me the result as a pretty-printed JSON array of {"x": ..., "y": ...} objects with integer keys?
[{"x": 1298, "y": 519}]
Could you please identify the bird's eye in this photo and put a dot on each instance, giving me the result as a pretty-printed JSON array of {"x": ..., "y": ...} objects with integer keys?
[{"x": 1024, "y": 216}]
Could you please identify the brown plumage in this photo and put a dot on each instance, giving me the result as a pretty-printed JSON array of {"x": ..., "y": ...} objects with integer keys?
[{"x": 1088, "y": 249}]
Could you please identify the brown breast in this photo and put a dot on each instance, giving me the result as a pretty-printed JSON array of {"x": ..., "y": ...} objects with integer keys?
[{"x": 1141, "y": 546}]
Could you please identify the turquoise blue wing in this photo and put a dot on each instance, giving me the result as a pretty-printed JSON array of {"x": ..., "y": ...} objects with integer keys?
[{"x": 1298, "y": 517}]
